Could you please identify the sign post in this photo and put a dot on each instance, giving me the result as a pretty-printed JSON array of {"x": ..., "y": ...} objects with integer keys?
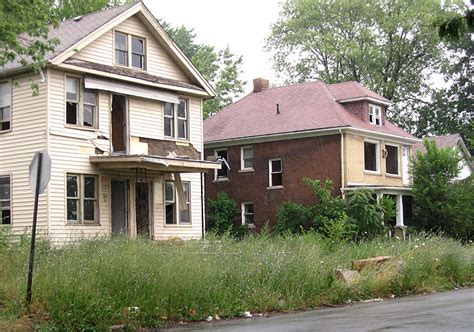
[{"x": 40, "y": 173}]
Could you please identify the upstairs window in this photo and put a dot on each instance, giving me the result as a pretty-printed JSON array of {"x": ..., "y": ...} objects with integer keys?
[
  {"x": 223, "y": 173},
  {"x": 173, "y": 214},
  {"x": 123, "y": 51},
  {"x": 81, "y": 199},
  {"x": 276, "y": 173},
  {"x": 375, "y": 115},
  {"x": 176, "y": 118},
  {"x": 392, "y": 159},
  {"x": 5, "y": 106},
  {"x": 81, "y": 104},
  {"x": 372, "y": 156},
  {"x": 247, "y": 214},
  {"x": 5, "y": 200},
  {"x": 246, "y": 158}
]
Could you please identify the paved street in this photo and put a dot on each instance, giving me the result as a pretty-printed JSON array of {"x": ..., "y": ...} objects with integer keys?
[{"x": 445, "y": 311}]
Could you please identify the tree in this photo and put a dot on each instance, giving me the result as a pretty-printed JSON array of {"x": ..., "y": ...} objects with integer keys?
[
  {"x": 221, "y": 68},
  {"x": 72, "y": 8},
  {"x": 392, "y": 47}
]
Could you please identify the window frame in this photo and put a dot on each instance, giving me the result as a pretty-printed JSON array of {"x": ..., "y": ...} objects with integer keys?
[
  {"x": 398, "y": 159},
  {"x": 270, "y": 173},
  {"x": 242, "y": 159},
  {"x": 80, "y": 105},
  {"x": 130, "y": 51},
  {"x": 8, "y": 82},
  {"x": 10, "y": 207},
  {"x": 175, "y": 118},
  {"x": 377, "y": 156},
  {"x": 244, "y": 213},
  {"x": 81, "y": 199},
  {"x": 374, "y": 115},
  {"x": 176, "y": 211},
  {"x": 216, "y": 171}
]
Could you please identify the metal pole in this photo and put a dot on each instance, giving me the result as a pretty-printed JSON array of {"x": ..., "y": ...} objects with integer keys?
[{"x": 33, "y": 231}]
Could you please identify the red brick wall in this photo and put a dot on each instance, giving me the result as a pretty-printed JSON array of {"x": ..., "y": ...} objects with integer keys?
[
  {"x": 315, "y": 157},
  {"x": 361, "y": 110}
]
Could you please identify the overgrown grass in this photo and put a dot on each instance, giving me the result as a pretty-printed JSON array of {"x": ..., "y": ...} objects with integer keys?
[{"x": 93, "y": 284}]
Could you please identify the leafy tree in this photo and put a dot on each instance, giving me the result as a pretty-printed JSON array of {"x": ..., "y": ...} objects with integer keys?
[
  {"x": 221, "y": 68},
  {"x": 223, "y": 214},
  {"x": 72, "y": 8},
  {"x": 292, "y": 217}
]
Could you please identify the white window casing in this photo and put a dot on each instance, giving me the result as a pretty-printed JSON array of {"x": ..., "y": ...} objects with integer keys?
[
  {"x": 176, "y": 120},
  {"x": 81, "y": 109},
  {"x": 375, "y": 115},
  {"x": 82, "y": 199},
  {"x": 246, "y": 158},
  {"x": 174, "y": 215},
  {"x": 248, "y": 213},
  {"x": 376, "y": 146},
  {"x": 5, "y": 106},
  {"x": 5, "y": 200},
  {"x": 129, "y": 50},
  {"x": 223, "y": 173},
  {"x": 392, "y": 151},
  {"x": 275, "y": 173}
]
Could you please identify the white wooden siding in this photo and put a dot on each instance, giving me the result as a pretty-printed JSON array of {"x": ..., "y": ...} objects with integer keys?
[
  {"x": 17, "y": 148},
  {"x": 146, "y": 118},
  {"x": 158, "y": 60}
]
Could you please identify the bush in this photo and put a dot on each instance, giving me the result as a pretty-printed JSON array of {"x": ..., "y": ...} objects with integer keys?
[
  {"x": 223, "y": 214},
  {"x": 293, "y": 218}
]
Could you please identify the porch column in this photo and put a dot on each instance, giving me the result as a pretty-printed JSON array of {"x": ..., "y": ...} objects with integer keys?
[{"x": 400, "y": 210}]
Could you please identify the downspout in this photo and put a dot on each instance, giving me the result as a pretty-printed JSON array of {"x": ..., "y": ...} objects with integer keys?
[
  {"x": 203, "y": 207},
  {"x": 343, "y": 192}
]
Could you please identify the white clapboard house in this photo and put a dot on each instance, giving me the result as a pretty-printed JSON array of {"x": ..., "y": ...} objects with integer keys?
[{"x": 119, "y": 111}]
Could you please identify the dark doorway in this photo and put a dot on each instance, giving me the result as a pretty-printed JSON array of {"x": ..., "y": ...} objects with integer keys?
[
  {"x": 393, "y": 222},
  {"x": 119, "y": 207},
  {"x": 408, "y": 210},
  {"x": 143, "y": 209},
  {"x": 119, "y": 124}
]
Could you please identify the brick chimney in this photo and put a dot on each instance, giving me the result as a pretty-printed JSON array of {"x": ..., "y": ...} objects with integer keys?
[{"x": 260, "y": 84}]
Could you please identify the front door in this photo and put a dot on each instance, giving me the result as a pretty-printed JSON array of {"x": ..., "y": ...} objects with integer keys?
[
  {"x": 119, "y": 207},
  {"x": 143, "y": 209},
  {"x": 119, "y": 124}
]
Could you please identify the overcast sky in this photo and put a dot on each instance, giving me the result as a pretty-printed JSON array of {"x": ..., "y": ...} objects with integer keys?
[{"x": 243, "y": 25}]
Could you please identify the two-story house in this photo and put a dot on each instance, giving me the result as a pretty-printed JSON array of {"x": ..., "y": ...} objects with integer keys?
[
  {"x": 119, "y": 111},
  {"x": 275, "y": 137}
]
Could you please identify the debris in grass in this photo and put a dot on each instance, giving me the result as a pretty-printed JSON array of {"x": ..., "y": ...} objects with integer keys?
[
  {"x": 216, "y": 317},
  {"x": 372, "y": 300},
  {"x": 350, "y": 277},
  {"x": 360, "y": 264},
  {"x": 392, "y": 296},
  {"x": 209, "y": 319},
  {"x": 247, "y": 314}
]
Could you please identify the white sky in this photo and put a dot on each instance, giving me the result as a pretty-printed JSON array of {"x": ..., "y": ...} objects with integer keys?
[{"x": 243, "y": 25}]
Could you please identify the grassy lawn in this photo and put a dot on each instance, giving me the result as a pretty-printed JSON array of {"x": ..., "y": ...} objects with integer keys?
[{"x": 97, "y": 283}]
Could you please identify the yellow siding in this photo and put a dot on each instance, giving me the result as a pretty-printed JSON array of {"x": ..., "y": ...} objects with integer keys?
[
  {"x": 159, "y": 62},
  {"x": 354, "y": 164},
  {"x": 17, "y": 148}
]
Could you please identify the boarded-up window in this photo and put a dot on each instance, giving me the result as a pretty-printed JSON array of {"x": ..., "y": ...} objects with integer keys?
[
  {"x": 5, "y": 106},
  {"x": 276, "y": 173},
  {"x": 371, "y": 156},
  {"x": 5, "y": 201},
  {"x": 392, "y": 159}
]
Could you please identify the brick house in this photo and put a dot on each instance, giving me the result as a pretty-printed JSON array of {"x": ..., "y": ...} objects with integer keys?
[{"x": 275, "y": 137}]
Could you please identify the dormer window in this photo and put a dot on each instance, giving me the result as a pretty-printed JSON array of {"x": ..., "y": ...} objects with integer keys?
[
  {"x": 375, "y": 115},
  {"x": 127, "y": 56}
]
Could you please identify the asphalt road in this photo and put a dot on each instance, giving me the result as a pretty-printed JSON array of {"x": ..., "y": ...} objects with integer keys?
[{"x": 445, "y": 311}]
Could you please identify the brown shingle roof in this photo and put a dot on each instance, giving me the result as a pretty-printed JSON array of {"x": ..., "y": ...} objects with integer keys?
[
  {"x": 305, "y": 106},
  {"x": 352, "y": 89}
]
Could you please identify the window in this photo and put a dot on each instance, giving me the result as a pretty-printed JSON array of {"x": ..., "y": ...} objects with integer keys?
[
  {"x": 246, "y": 158},
  {"x": 247, "y": 214},
  {"x": 223, "y": 173},
  {"x": 375, "y": 115},
  {"x": 123, "y": 52},
  {"x": 391, "y": 160},
  {"x": 5, "y": 201},
  {"x": 172, "y": 204},
  {"x": 5, "y": 106},
  {"x": 371, "y": 156},
  {"x": 81, "y": 109},
  {"x": 179, "y": 112},
  {"x": 276, "y": 173},
  {"x": 81, "y": 196}
]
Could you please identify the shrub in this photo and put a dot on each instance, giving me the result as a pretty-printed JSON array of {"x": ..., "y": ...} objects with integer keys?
[
  {"x": 293, "y": 218},
  {"x": 223, "y": 214}
]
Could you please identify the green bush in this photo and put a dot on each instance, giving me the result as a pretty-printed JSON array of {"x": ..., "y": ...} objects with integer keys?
[
  {"x": 293, "y": 218},
  {"x": 223, "y": 214}
]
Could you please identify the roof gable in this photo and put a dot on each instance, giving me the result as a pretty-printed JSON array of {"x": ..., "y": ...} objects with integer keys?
[{"x": 353, "y": 90}]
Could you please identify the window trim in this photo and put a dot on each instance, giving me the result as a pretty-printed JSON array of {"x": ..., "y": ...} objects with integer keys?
[
  {"x": 186, "y": 119},
  {"x": 176, "y": 210},
  {"x": 175, "y": 137},
  {"x": 243, "y": 214},
  {"x": 81, "y": 199},
  {"x": 375, "y": 117},
  {"x": 11, "y": 105},
  {"x": 10, "y": 176},
  {"x": 270, "y": 172},
  {"x": 242, "y": 160},
  {"x": 216, "y": 178},
  {"x": 398, "y": 159},
  {"x": 80, "y": 110},
  {"x": 129, "y": 50},
  {"x": 377, "y": 156}
]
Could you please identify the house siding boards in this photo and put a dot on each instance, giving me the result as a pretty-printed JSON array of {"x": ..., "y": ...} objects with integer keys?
[
  {"x": 158, "y": 61},
  {"x": 18, "y": 146},
  {"x": 314, "y": 157}
]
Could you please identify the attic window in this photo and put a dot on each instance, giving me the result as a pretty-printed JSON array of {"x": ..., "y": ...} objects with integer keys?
[
  {"x": 129, "y": 50},
  {"x": 375, "y": 115}
]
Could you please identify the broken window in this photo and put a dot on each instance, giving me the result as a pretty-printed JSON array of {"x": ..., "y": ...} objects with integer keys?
[
  {"x": 185, "y": 215},
  {"x": 247, "y": 213},
  {"x": 5, "y": 106},
  {"x": 183, "y": 119},
  {"x": 180, "y": 112},
  {"x": 375, "y": 115},
  {"x": 246, "y": 154},
  {"x": 170, "y": 203},
  {"x": 121, "y": 49},
  {"x": 223, "y": 173},
  {"x": 138, "y": 53},
  {"x": 72, "y": 101},
  {"x": 169, "y": 119},
  {"x": 392, "y": 159},
  {"x": 81, "y": 197},
  {"x": 81, "y": 108},
  {"x": 5, "y": 200},
  {"x": 129, "y": 47},
  {"x": 371, "y": 156},
  {"x": 276, "y": 173},
  {"x": 172, "y": 209}
]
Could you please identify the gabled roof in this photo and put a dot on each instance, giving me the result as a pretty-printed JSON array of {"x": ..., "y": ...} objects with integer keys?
[
  {"x": 353, "y": 90},
  {"x": 303, "y": 107},
  {"x": 74, "y": 34},
  {"x": 446, "y": 141}
]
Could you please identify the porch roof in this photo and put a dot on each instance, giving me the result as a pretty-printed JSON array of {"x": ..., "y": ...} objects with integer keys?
[{"x": 156, "y": 163}]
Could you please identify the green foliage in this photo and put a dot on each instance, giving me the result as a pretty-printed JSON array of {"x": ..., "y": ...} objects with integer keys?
[
  {"x": 293, "y": 218},
  {"x": 72, "y": 8},
  {"x": 440, "y": 204},
  {"x": 339, "y": 230},
  {"x": 223, "y": 214}
]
